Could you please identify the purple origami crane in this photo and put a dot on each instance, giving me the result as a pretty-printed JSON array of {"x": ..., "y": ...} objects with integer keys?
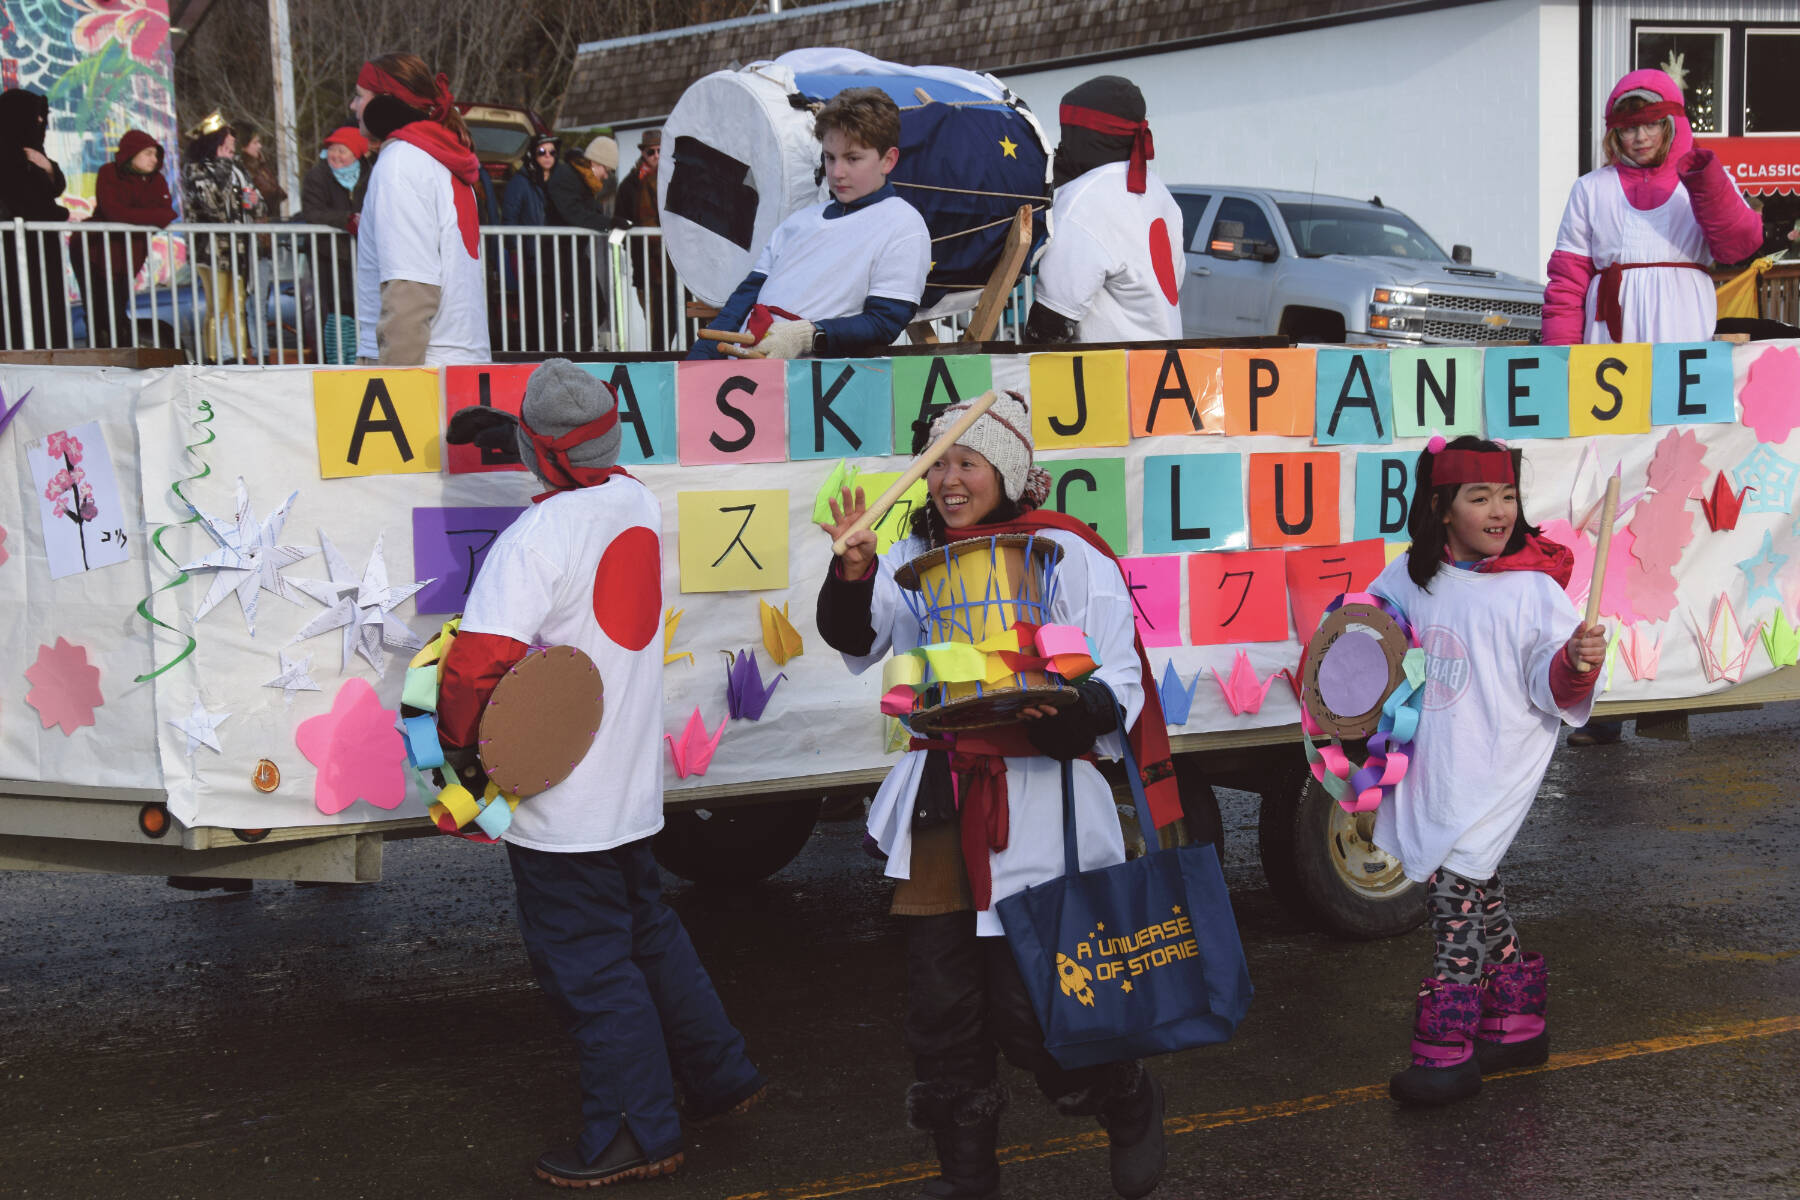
[{"x": 745, "y": 695}]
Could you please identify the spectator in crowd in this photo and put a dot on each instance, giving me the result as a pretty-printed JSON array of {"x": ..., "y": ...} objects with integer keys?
[
  {"x": 129, "y": 190},
  {"x": 421, "y": 297},
  {"x": 29, "y": 185},
  {"x": 332, "y": 194},
  {"x": 636, "y": 205},
  {"x": 526, "y": 201},
  {"x": 264, "y": 177},
  {"x": 599, "y": 166},
  {"x": 216, "y": 191}
]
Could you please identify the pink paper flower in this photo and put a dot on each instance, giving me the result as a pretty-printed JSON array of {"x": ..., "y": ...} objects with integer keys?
[{"x": 65, "y": 689}]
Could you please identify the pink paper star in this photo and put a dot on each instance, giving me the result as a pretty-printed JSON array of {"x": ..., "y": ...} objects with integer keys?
[
  {"x": 358, "y": 752},
  {"x": 65, "y": 690}
]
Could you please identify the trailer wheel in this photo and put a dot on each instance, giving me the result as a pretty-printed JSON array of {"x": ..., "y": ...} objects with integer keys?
[
  {"x": 1351, "y": 888},
  {"x": 733, "y": 846}
]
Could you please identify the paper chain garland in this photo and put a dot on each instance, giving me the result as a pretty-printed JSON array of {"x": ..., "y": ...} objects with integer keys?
[
  {"x": 456, "y": 808},
  {"x": 204, "y": 408},
  {"x": 1022, "y": 646},
  {"x": 1361, "y": 788}
]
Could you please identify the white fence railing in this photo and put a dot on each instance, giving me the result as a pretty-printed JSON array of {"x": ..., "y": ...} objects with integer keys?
[{"x": 287, "y": 293}]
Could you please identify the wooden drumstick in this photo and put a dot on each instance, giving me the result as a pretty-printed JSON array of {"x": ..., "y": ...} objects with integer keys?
[
  {"x": 735, "y": 337},
  {"x": 1608, "y": 510},
  {"x": 916, "y": 470}
]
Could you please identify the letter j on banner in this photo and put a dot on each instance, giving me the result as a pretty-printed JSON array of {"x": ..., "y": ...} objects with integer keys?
[
  {"x": 377, "y": 422},
  {"x": 733, "y": 541}
]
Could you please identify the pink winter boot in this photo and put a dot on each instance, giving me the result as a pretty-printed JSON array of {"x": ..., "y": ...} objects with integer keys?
[
  {"x": 1443, "y": 1067},
  {"x": 1513, "y": 999}
]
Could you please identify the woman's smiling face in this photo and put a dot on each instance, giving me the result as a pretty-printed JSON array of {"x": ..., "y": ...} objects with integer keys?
[{"x": 964, "y": 487}]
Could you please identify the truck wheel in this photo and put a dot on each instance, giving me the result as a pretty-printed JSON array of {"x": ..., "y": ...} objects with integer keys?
[
  {"x": 737, "y": 845},
  {"x": 1352, "y": 889}
]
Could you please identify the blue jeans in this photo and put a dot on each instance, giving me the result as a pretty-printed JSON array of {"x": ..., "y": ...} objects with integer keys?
[{"x": 619, "y": 968}]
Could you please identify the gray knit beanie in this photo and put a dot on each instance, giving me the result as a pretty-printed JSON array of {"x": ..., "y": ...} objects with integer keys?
[
  {"x": 1002, "y": 435},
  {"x": 560, "y": 398}
]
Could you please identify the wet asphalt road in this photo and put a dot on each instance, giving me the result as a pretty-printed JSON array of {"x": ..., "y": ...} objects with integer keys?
[{"x": 387, "y": 1041}]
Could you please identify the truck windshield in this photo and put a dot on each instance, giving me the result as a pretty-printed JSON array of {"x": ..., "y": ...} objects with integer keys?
[{"x": 1320, "y": 229}]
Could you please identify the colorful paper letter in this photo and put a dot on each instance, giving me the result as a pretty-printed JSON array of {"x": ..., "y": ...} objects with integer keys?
[
  {"x": 1193, "y": 502},
  {"x": 1294, "y": 499},
  {"x": 1154, "y": 582},
  {"x": 494, "y": 386},
  {"x": 377, "y": 422},
  {"x": 1315, "y": 576},
  {"x": 1269, "y": 391},
  {"x": 1176, "y": 391},
  {"x": 1436, "y": 390},
  {"x": 839, "y": 408},
  {"x": 1383, "y": 493},
  {"x": 926, "y": 384},
  {"x": 1091, "y": 490},
  {"x": 1354, "y": 405},
  {"x": 731, "y": 411},
  {"x": 1079, "y": 400},
  {"x": 1609, "y": 389},
  {"x": 449, "y": 545},
  {"x": 646, "y": 392},
  {"x": 733, "y": 541},
  {"x": 1691, "y": 385},
  {"x": 1238, "y": 597},
  {"x": 1527, "y": 392}
]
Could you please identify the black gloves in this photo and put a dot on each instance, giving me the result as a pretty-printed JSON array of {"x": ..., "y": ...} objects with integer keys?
[{"x": 1071, "y": 732}]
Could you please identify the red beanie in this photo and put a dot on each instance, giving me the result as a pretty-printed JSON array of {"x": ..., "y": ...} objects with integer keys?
[{"x": 350, "y": 139}]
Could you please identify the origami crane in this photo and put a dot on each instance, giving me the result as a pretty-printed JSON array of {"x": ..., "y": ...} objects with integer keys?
[
  {"x": 745, "y": 695},
  {"x": 1177, "y": 697},
  {"x": 780, "y": 637},
  {"x": 1244, "y": 692},
  {"x": 694, "y": 752},
  {"x": 1723, "y": 507},
  {"x": 1724, "y": 648},
  {"x": 671, "y": 619},
  {"x": 1639, "y": 652},
  {"x": 1781, "y": 641}
]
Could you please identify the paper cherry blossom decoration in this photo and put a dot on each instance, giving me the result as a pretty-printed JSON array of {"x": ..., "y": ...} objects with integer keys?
[
  {"x": 65, "y": 689},
  {"x": 3, "y": 554},
  {"x": 356, "y": 749}
]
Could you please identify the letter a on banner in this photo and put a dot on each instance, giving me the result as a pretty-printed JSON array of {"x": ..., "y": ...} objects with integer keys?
[{"x": 377, "y": 422}]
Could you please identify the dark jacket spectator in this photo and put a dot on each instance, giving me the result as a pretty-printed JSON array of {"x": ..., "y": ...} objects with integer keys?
[
  {"x": 29, "y": 186},
  {"x": 527, "y": 198},
  {"x": 263, "y": 177},
  {"x": 129, "y": 190},
  {"x": 332, "y": 194},
  {"x": 216, "y": 191}
]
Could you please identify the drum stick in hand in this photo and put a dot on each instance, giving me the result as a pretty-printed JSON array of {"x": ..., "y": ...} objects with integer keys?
[
  {"x": 735, "y": 337},
  {"x": 1608, "y": 510},
  {"x": 916, "y": 470}
]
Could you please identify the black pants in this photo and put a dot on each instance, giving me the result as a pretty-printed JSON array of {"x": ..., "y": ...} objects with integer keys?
[{"x": 966, "y": 1001}]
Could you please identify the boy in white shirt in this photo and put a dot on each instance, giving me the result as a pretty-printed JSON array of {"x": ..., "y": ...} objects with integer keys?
[{"x": 841, "y": 278}]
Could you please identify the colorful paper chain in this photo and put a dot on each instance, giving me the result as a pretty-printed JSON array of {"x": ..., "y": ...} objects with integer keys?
[
  {"x": 204, "y": 408},
  {"x": 993, "y": 661},
  {"x": 456, "y": 808},
  {"x": 1361, "y": 788}
]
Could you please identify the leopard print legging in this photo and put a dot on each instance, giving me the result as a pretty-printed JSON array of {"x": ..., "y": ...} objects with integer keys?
[{"x": 1471, "y": 925}]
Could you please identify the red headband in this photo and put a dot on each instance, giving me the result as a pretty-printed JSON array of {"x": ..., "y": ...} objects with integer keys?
[
  {"x": 372, "y": 78},
  {"x": 1142, "y": 147},
  {"x": 1472, "y": 466},
  {"x": 1647, "y": 115},
  {"x": 553, "y": 453}
]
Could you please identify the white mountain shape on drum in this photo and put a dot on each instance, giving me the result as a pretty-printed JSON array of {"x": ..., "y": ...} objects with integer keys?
[{"x": 362, "y": 608}]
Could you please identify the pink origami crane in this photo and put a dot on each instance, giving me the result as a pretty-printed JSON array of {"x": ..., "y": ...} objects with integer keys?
[
  {"x": 1724, "y": 505},
  {"x": 1724, "y": 648},
  {"x": 745, "y": 695},
  {"x": 1244, "y": 692},
  {"x": 694, "y": 752},
  {"x": 1639, "y": 652}
]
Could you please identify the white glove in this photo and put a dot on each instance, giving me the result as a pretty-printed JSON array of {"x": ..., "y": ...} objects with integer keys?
[{"x": 787, "y": 339}]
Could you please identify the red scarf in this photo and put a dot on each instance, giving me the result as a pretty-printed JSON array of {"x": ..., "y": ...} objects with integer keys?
[
  {"x": 1150, "y": 736},
  {"x": 462, "y": 164},
  {"x": 1539, "y": 553},
  {"x": 1142, "y": 147}
]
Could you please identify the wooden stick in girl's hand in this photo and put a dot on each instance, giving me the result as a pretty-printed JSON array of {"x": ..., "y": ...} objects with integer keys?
[
  {"x": 1608, "y": 510},
  {"x": 916, "y": 470}
]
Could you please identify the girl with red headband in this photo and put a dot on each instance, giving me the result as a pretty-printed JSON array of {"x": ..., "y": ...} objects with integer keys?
[
  {"x": 1639, "y": 233},
  {"x": 421, "y": 297},
  {"x": 1111, "y": 271},
  {"x": 1508, "y": 660}
]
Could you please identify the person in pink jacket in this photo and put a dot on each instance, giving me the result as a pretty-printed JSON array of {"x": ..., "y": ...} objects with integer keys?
[{"x": 1639, "y": 233}]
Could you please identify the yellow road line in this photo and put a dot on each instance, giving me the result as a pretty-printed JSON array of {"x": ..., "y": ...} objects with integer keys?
[{"x": 863, "y": 1181}]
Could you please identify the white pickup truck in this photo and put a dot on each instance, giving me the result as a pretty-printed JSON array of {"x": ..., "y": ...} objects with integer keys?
[{"x": 1330, "y": 269}]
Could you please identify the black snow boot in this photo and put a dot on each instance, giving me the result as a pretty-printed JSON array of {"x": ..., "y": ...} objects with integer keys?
[
  {"x": 1133, "y": 1119},
  {"x": 965, "y": 1126}
]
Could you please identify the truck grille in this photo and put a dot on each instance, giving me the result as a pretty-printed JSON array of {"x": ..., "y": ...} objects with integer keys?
[
  {"x": 1511, "y": 308},
  {"x": 1460, "y": 331}
]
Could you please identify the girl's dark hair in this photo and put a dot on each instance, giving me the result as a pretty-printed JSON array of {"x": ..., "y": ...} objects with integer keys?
[
  {"x": 1425, "y": 517},
  {"x": 206, "y": 147},
  {"x": 929, "y": 528}
]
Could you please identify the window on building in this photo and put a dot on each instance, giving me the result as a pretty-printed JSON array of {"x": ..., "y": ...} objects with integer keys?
[
  {"x": 1696, "y": 60},
  {"x": 1771, "y": 99}
]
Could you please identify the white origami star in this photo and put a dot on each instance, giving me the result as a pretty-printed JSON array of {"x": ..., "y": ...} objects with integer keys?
[
  {"x": 247, "y": 560},
  {"x": 294, "y": 677},
  {"x": 201, "y": 727},
  {"x": 361, "y": 608}
]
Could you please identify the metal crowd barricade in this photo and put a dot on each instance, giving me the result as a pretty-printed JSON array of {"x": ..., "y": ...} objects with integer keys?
[{"x": 547, "y": 289}]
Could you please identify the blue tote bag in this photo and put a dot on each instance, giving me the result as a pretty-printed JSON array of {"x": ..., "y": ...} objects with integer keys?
[{"x": 1130, "y": 960}]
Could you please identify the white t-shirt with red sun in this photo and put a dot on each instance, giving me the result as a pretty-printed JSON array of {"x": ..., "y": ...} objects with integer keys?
[
  {"x": 1488, "y": 724},
  {"x": 584, "y": 569},
  {"x": 1114, "y": 263}
]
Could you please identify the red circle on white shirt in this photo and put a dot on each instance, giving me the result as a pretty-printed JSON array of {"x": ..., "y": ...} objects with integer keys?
[
  {"x": 1162, "y": 260},
  {"x": 628, "y": 588}
]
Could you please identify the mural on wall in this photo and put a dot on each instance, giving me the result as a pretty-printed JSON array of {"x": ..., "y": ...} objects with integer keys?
[{"x": 107, "y": 67}]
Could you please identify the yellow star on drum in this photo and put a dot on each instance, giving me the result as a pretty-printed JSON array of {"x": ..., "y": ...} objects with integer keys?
[
  {"x": 1126, "y": 985},
  {"x": 1008, "y": 146}
]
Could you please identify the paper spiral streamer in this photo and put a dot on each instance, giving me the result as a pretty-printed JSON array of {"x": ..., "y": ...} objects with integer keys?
[{"x": 204, "y": 408}]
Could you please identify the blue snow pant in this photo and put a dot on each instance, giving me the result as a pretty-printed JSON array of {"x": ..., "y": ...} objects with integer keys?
[{"x": 619, "y": 968}]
